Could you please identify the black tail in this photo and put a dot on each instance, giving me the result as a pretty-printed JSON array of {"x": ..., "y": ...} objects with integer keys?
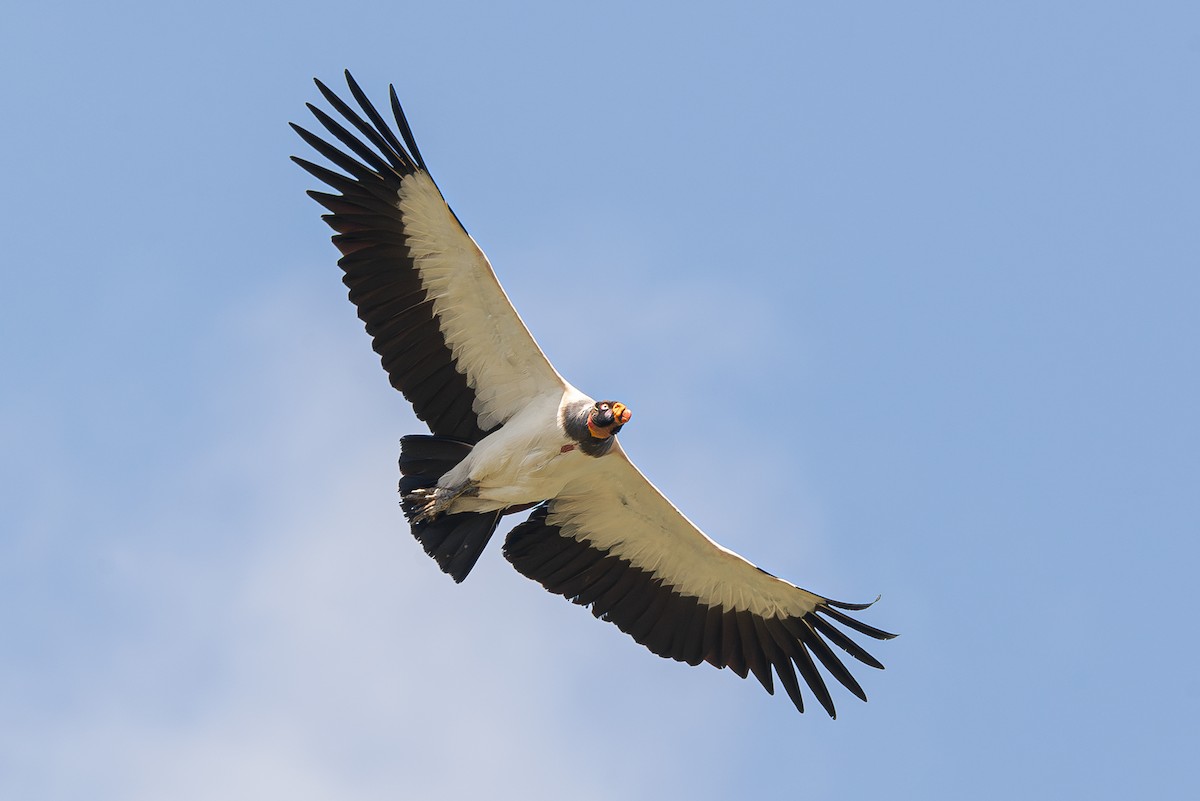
[{"x": 454, "y": 541}]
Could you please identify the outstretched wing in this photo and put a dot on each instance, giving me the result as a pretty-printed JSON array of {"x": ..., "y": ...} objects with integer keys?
[
  {"x": 447, "y": 335},
  {"x": 619, "y": 546}
]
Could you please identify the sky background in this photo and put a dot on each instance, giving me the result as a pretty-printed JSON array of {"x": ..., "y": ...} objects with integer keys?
[{"x": 935, "y": 264}]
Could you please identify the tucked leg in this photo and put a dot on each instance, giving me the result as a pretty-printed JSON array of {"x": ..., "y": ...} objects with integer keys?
[{"x": 422, "y": 505}]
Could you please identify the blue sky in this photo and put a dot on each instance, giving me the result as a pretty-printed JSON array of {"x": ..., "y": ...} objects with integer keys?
[{"x": 937, "y": 264}]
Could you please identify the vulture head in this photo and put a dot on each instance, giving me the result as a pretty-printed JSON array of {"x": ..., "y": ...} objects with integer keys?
[{"x": 606, "y": 418}]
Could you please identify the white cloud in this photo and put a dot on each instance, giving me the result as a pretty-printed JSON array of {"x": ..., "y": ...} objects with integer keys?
[{"x": 285, "y": 637}]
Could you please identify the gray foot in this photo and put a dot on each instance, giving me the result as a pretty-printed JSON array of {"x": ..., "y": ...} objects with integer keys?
[{"x": 433, "y": 501}]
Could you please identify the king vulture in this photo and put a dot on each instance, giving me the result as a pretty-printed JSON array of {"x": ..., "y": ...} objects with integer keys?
[{"x": 509, "y": 434}]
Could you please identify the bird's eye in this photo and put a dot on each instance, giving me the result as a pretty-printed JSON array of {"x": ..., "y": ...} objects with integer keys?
[{"x": 602, "y": 407}]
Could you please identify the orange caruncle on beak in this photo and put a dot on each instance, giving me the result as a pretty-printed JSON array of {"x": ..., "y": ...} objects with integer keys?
[{"x": 621, "y": 413}]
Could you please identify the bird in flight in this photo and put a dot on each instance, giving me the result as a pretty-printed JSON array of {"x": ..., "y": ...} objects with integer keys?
[{"x": 508, "y": 434}]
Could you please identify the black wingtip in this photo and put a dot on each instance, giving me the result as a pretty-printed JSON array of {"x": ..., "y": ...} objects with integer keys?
[
  {"x": 405, "y": 130},
  {"x": 853, "y": 607},
  {"x": 857, "y": 625},
  {"x": 832, "y": 606}
]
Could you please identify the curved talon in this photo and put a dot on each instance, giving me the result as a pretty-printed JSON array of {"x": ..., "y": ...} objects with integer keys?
[{"x": 425, "y": 504}]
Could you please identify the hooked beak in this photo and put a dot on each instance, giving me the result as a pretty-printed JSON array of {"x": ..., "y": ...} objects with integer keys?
[{"x": 621, "y": 413}]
